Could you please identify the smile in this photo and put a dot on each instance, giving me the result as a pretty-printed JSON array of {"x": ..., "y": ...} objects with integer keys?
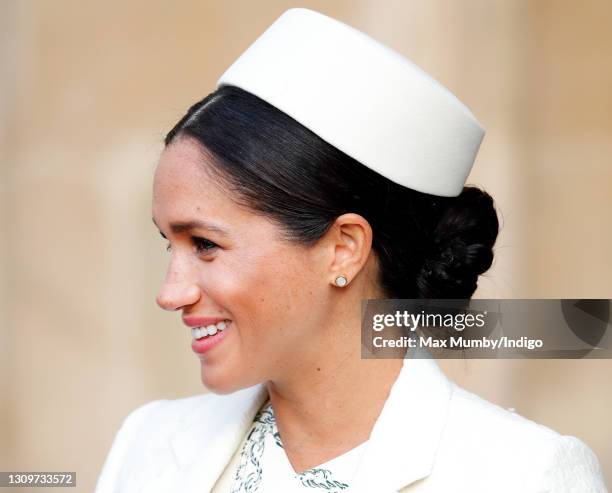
[{"x": 209, "y": 330}]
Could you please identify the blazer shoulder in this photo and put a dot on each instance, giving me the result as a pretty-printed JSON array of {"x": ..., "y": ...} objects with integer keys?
[
  {"x": 166, "y": 416},
  {"x": 504, "y": 444},
  {"x": 123, "y": 441},
  {"x": 134, "y": 437},
  {"x": 485, "y": 417},
  {"x": 571, "y": 466}
]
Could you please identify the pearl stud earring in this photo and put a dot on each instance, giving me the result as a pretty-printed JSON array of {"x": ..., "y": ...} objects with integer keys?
[{"x": 341, "y": 281}]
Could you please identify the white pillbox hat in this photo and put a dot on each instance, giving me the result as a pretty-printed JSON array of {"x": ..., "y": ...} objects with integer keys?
[{"x": 363, "y": 98}]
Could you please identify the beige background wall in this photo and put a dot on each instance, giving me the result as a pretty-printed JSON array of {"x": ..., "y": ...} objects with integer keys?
[{"x": 88, "y": 90}]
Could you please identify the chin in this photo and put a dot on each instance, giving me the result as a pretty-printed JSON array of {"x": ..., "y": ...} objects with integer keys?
[{"x": 219, "y": 381}]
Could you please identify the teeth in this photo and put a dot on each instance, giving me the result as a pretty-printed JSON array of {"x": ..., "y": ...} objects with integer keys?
[{"x": 210, "y": 330}]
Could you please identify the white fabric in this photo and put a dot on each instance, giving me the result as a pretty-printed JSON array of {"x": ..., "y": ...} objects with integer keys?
[
  {"x": 431, "y": 436},
  {"x": 278, "y": 475},
  {"x": 365, "y": 99},
  {"x": 261, "y": 464}
]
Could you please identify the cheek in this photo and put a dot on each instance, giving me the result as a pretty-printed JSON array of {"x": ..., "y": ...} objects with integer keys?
[{"x": 270, "y": 296}]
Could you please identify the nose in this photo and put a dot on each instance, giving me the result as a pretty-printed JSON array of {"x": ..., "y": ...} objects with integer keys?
[{"x": 176, "y": 295}]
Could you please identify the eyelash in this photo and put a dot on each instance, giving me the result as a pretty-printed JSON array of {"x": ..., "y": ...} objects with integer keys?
[{"x": 202, "y": 245}]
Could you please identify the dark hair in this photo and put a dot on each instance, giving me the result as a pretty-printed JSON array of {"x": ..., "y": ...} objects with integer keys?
[{"x": 427, "y": 246}]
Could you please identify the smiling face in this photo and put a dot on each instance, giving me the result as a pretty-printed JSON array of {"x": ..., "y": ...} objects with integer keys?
[{"x": 228, "y": 262}]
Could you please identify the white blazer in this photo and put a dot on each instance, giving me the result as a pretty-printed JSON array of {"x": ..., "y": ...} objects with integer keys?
[{"x": 431, "y": 436}]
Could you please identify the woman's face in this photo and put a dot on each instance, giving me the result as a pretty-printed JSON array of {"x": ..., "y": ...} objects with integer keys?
[{"x": 227, "y": 262}]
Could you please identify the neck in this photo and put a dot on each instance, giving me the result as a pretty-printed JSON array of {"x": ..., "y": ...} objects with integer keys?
[{"x": 330, "y": 399}]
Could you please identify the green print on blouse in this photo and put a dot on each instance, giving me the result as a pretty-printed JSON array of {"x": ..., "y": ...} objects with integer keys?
[{"x": 249, "y": 471}]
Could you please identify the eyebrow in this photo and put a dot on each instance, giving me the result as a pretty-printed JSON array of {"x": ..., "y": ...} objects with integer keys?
[{"x": 180, "y": 227}]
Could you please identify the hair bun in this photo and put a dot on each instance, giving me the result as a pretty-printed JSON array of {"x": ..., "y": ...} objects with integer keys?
[{"x": 461, "y": 246}]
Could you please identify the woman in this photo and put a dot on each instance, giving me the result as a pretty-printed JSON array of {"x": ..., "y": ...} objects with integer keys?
[{"x": 323, "y": 171}]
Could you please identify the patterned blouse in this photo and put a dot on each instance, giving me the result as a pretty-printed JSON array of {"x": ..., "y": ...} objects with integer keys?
[{"x": 264, "y": 467}]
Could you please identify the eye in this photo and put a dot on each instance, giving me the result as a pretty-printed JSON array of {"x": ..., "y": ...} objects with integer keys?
[{"x": 203, "y": 245}]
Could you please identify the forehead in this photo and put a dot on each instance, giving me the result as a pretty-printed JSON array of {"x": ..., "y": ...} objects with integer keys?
[
  {"x": 181, "y": 162},
  {"x": 184, "y": 187}
]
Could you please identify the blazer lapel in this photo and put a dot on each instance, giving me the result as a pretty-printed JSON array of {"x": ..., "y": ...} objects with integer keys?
[
  {"x": 406, "y": 436},
  {"x": 205, "y": 442}
]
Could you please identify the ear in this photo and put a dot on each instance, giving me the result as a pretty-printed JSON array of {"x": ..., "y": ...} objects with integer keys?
[{"x": 350, "y": 238}]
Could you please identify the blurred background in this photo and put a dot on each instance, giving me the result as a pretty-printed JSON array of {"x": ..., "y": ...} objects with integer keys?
[{"x": 88, "y": 91}]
